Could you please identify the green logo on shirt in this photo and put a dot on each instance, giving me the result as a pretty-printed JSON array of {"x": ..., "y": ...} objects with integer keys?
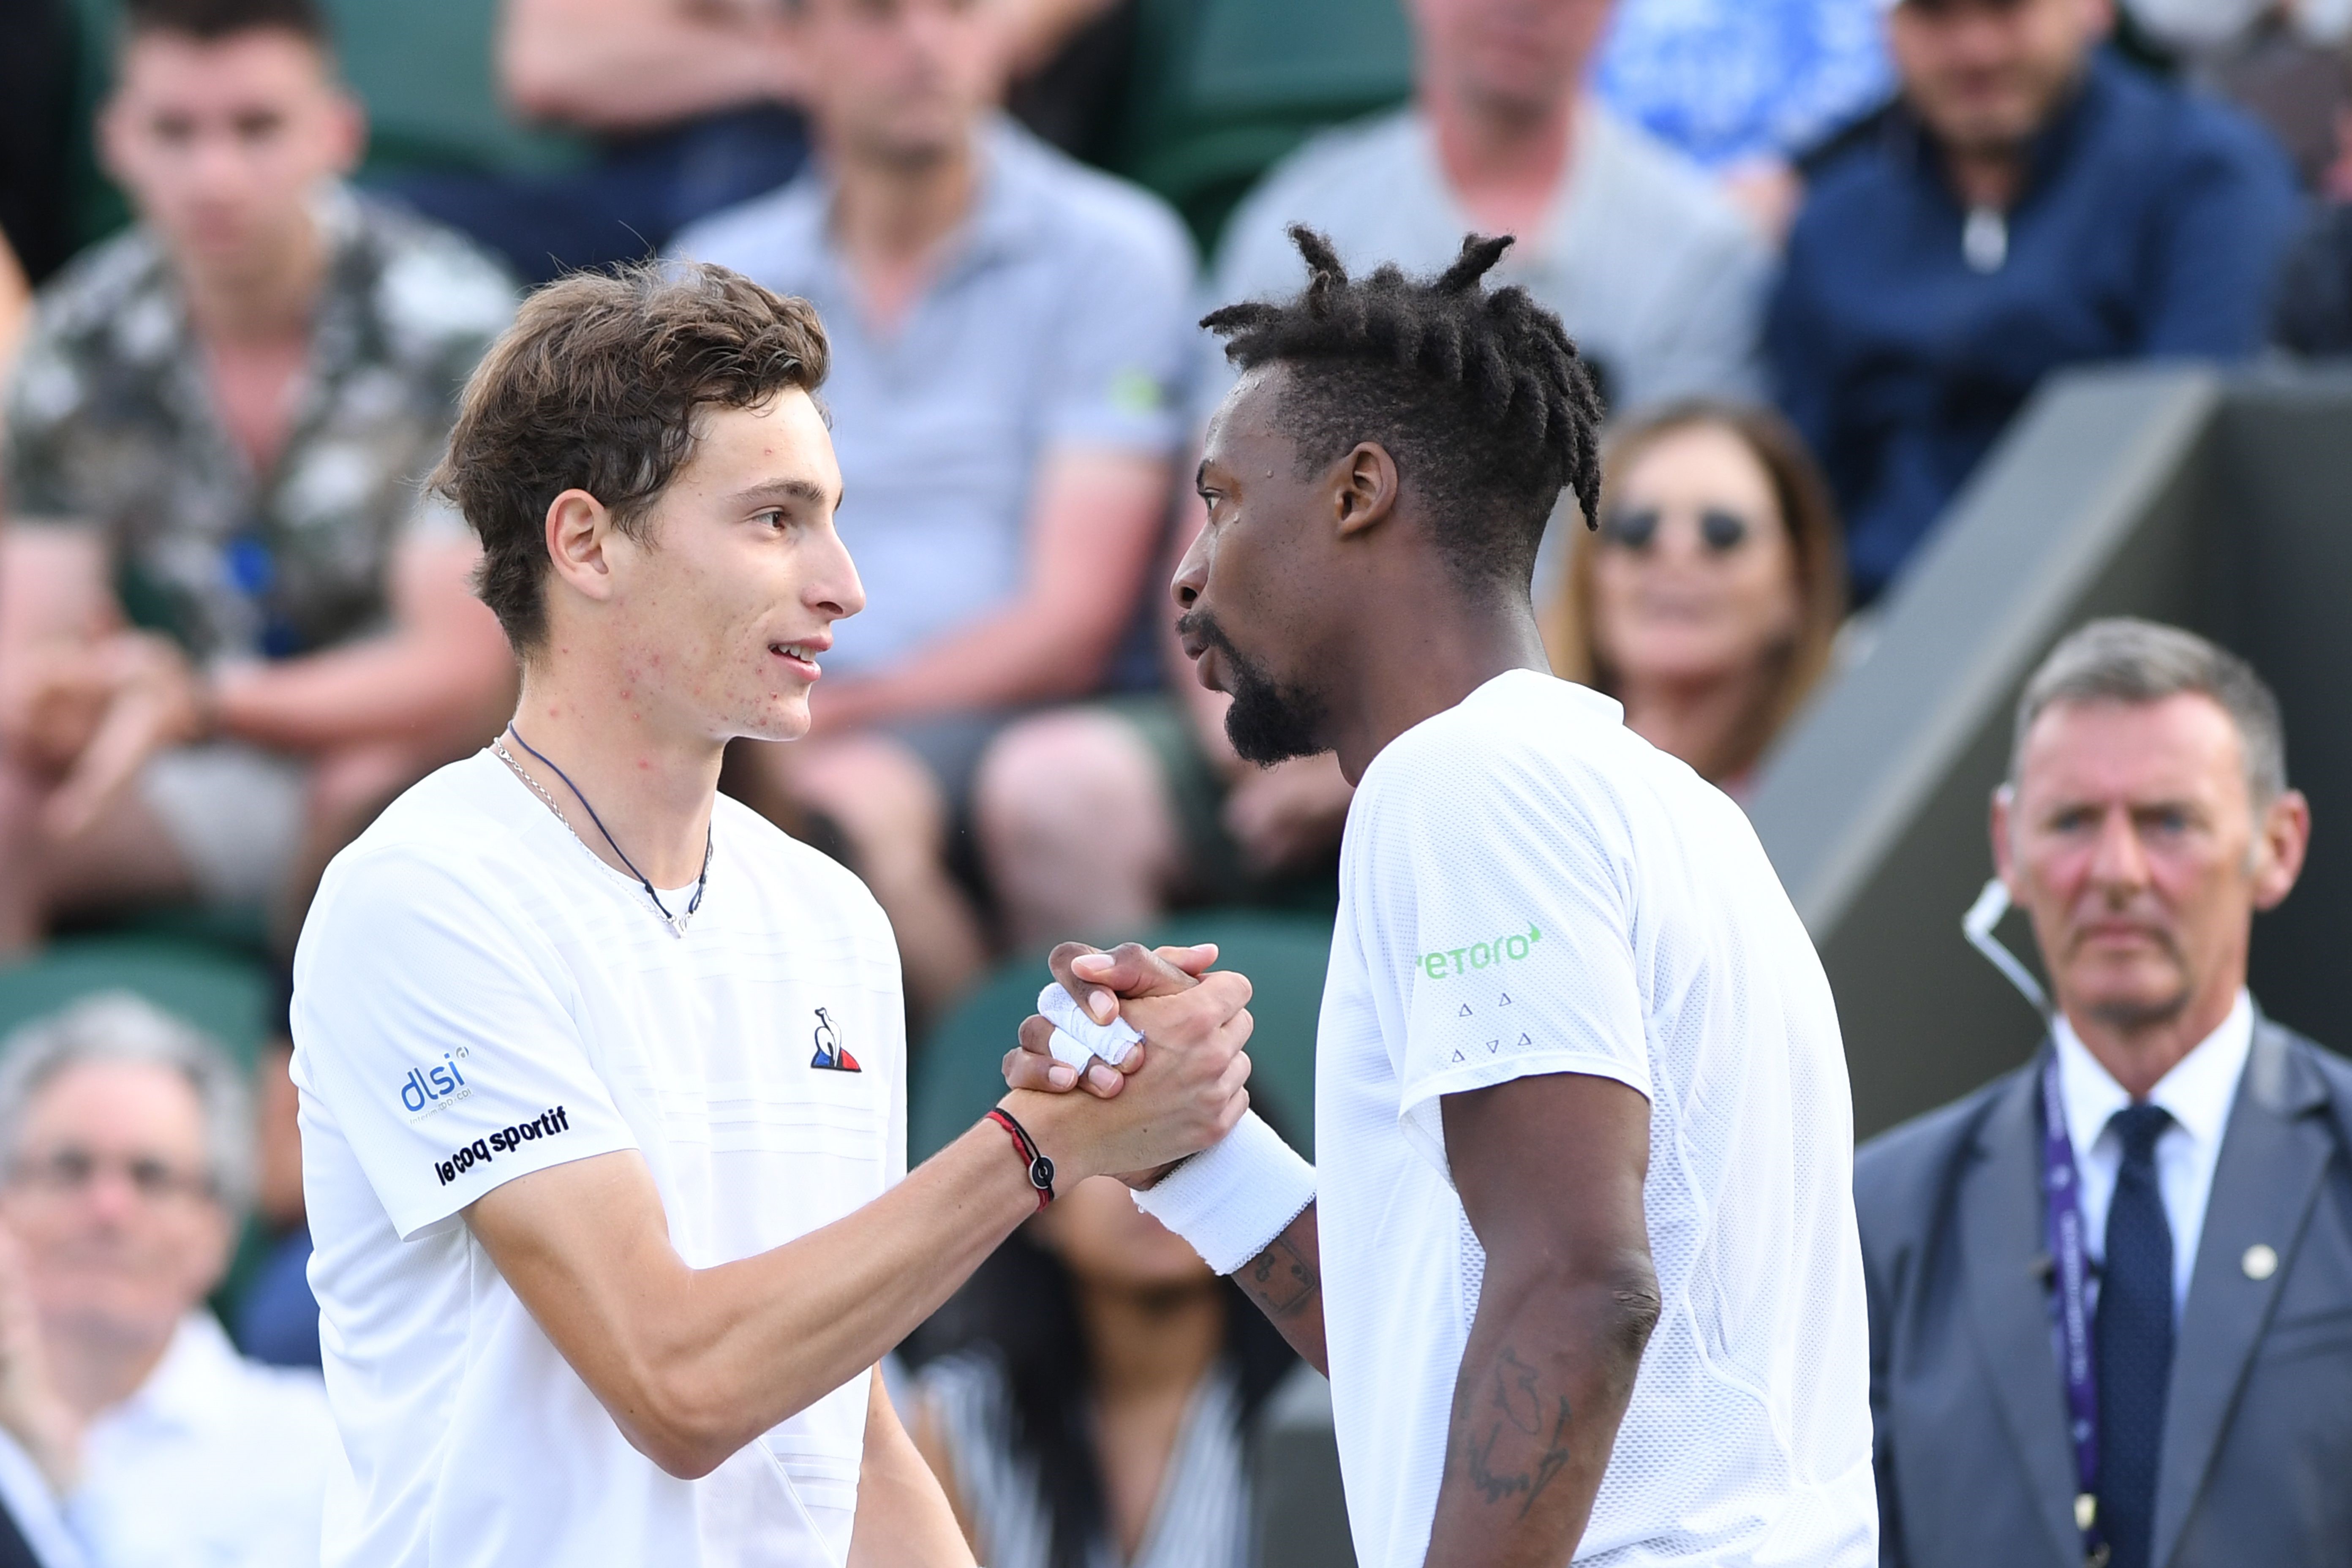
[
  {"x": 1134, "y": 391},
  {"x": 1451, "y": 961}
]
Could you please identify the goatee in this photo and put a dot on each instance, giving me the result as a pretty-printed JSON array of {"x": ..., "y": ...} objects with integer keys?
[{"x": 1270, "y": 721}]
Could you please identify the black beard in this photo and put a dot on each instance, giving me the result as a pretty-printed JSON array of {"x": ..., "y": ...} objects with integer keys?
[{"x": 1269, "y": 722}]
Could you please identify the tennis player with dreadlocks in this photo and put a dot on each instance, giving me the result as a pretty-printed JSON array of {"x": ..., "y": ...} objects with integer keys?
[{"x": 1579, "y": 1255}]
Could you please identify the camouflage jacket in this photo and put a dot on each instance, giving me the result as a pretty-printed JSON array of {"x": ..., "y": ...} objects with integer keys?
[{"x": 111, "y": 426}]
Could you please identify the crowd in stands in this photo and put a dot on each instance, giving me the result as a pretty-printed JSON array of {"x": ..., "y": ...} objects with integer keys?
[{"x": 1819, "y": 254}]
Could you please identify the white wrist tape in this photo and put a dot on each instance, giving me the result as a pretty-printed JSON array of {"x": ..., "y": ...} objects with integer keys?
[
  {"x": 1078, "y": 1039},
  {"x": 1231, "y": 1199}
]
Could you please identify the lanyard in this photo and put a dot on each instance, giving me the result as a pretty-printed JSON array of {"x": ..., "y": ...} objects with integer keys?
[{"x": 2061, "y": 1198}]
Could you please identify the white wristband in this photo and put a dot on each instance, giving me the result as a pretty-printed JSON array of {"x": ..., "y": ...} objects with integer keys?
[
  {"x": 1078, "y": 1039},
  {"x": 1231, "y": 1199}
]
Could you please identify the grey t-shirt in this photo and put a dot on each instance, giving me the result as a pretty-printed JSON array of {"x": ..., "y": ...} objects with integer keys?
[
  {"x": 1062, "y": 321},
  {"x": 1657, "y": 278}
]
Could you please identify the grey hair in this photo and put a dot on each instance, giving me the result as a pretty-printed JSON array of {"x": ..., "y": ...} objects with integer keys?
[
  {"x": 2122, "y": 659},
  {"x": 117, "y": 1026}
]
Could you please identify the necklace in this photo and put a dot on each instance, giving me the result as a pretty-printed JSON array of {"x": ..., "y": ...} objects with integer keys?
[{"x": 676, "y": 922}]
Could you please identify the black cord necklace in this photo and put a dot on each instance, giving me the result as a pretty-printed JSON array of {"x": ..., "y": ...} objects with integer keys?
[{"x": 676, "y": 922}]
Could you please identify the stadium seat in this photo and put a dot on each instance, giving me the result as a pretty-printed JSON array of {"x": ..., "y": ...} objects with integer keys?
[
  {"x": 1225, "y": 88},
  {"x": 957, "y": 1076},
  {"x": 228, "y": 998}
]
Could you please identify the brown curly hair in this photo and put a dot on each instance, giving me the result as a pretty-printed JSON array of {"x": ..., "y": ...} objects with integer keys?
[{"x": 596, "y": 387}]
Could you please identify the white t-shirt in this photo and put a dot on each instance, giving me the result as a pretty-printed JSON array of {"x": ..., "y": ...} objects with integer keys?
[
  {"x": 1527, "y": 887},
  {"x": 476, "y": 997}
]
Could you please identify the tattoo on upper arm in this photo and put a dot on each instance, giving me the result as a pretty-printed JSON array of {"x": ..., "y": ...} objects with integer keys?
[
  {"x": 1283, "y": 1278},
  {"x": 1519, "y": 1404}
]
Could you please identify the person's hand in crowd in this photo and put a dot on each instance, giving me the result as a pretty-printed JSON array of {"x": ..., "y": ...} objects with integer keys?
[
  {"x": 154, "y": 700},
  {"x": 53, "y": 696},
  {"x": 1164, "y": 993},
  {"x": 31, "y": 1410},
  {"x": 1286, "y": 814}
]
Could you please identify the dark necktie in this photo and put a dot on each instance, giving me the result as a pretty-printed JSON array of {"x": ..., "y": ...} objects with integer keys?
[{"x": 2135, "y": 1340}]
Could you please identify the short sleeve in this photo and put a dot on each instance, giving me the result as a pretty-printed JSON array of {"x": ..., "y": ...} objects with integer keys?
[
  {"x": 1499, "y": 900},
  {"x": 45, "y": 394},
  {"x": 1124, "y": 357},
  {"x": 438, "y": 1035}
]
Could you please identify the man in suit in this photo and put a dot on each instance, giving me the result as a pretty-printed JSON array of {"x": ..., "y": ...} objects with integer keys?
[{"x": 2197, "y": 1214}]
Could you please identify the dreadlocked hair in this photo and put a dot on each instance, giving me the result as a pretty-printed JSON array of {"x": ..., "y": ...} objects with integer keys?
[{"x": 1479, "y": 396}]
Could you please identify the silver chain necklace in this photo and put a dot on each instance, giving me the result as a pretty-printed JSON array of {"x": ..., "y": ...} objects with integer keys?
[{"x": 676, "y": 922}]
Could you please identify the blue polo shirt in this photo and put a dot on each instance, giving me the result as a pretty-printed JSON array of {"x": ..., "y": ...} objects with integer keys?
[
  {"x": 1062, "y": 319},
  {"x": 2151, "y": 225}
]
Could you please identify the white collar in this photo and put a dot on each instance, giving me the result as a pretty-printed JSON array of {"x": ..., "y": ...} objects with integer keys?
[
  {"x": 194, "y": 1383},
  {"x": 2198, "y": 1091}
]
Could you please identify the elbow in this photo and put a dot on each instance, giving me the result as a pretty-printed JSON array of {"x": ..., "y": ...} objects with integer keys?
[
  {"x": 678, "y": 1456},
  {"x": 1632, "y": 1306},
  {"x": 1613, "y": 1299},
  {"x": 682, "y": 1425}
]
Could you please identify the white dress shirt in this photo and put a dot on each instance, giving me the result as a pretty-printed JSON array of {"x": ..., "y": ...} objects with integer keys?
[
  {"x": 39, "y": 1518},
  {"x": 2198, "y": 1091},
  {"x": 216, "y": 1460}
]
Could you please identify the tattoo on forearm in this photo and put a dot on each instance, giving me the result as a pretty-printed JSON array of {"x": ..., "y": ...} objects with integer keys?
[
  {"x": 1283, "y": 1278},
  {"x": 1520, "y": 1405}
]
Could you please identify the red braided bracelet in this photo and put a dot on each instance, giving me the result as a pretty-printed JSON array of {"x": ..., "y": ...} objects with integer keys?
[{"x": 1040, "y": 1167}]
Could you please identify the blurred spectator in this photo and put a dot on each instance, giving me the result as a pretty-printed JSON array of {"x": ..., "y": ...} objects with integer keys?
[
  {"x": 1655, "y": 274},
  {"x": 221, "y": 413},
  {"x": 1744, "y": 86},
  {"x": 2282, "y": 61},
  {"x": 1009, "y": 335},
  {"x": 2034, "y": 203},
  {"x": 277, "y": 1315},
  {"x": 1710, "y": 599},
  {"x": 690, "y": 107},
  {"x": 1094, "y": 1407},
  {"x": 126, "y": 1139},
  {"x": 683, "y": 100}
]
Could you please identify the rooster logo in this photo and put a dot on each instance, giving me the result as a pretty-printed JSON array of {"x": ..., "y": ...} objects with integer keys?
[{"x": 829, "y": 1054}]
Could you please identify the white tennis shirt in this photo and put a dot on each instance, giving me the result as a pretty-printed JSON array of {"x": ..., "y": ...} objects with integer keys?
[
  {"x": 1527, "y": 887},
  {"x": 476, "y": 997}
]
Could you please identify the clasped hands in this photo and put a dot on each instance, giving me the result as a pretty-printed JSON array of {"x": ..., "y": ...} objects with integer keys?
[
  {"x": 89, "y": 714},
  {"x": 1178, "y": 1091}
]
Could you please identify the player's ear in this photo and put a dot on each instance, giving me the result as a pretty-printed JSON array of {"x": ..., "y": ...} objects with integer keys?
[
  {"x": 1363, "y": 488},
  {"x": 579, "y": 530}
]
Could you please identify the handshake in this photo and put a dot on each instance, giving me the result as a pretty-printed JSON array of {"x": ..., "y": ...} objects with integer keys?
[{"x": 1147, "y": 1102}]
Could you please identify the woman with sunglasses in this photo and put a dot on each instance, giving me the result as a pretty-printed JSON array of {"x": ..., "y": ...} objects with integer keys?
[{"x": 1708, "y": 601}]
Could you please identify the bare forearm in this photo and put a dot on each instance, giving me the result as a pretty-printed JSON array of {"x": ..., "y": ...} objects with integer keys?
[
  {"x": 53, "y": 587},
  {"x": 1286, "y": 1280},
  {"x": 1544, "y": 1383},
  {"x": 747, "y": 1344},
  {"x": 628, "y": 69},
  {"x": 904, "y": 1519},
  {"x": 393, "y": 686}
]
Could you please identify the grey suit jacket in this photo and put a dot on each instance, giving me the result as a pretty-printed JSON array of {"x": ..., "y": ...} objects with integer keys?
[{"x": 1974, "y": 1465}]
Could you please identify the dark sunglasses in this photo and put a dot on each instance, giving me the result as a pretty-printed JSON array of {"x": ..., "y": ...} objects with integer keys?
[{"x": 1721, "y": 532}]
